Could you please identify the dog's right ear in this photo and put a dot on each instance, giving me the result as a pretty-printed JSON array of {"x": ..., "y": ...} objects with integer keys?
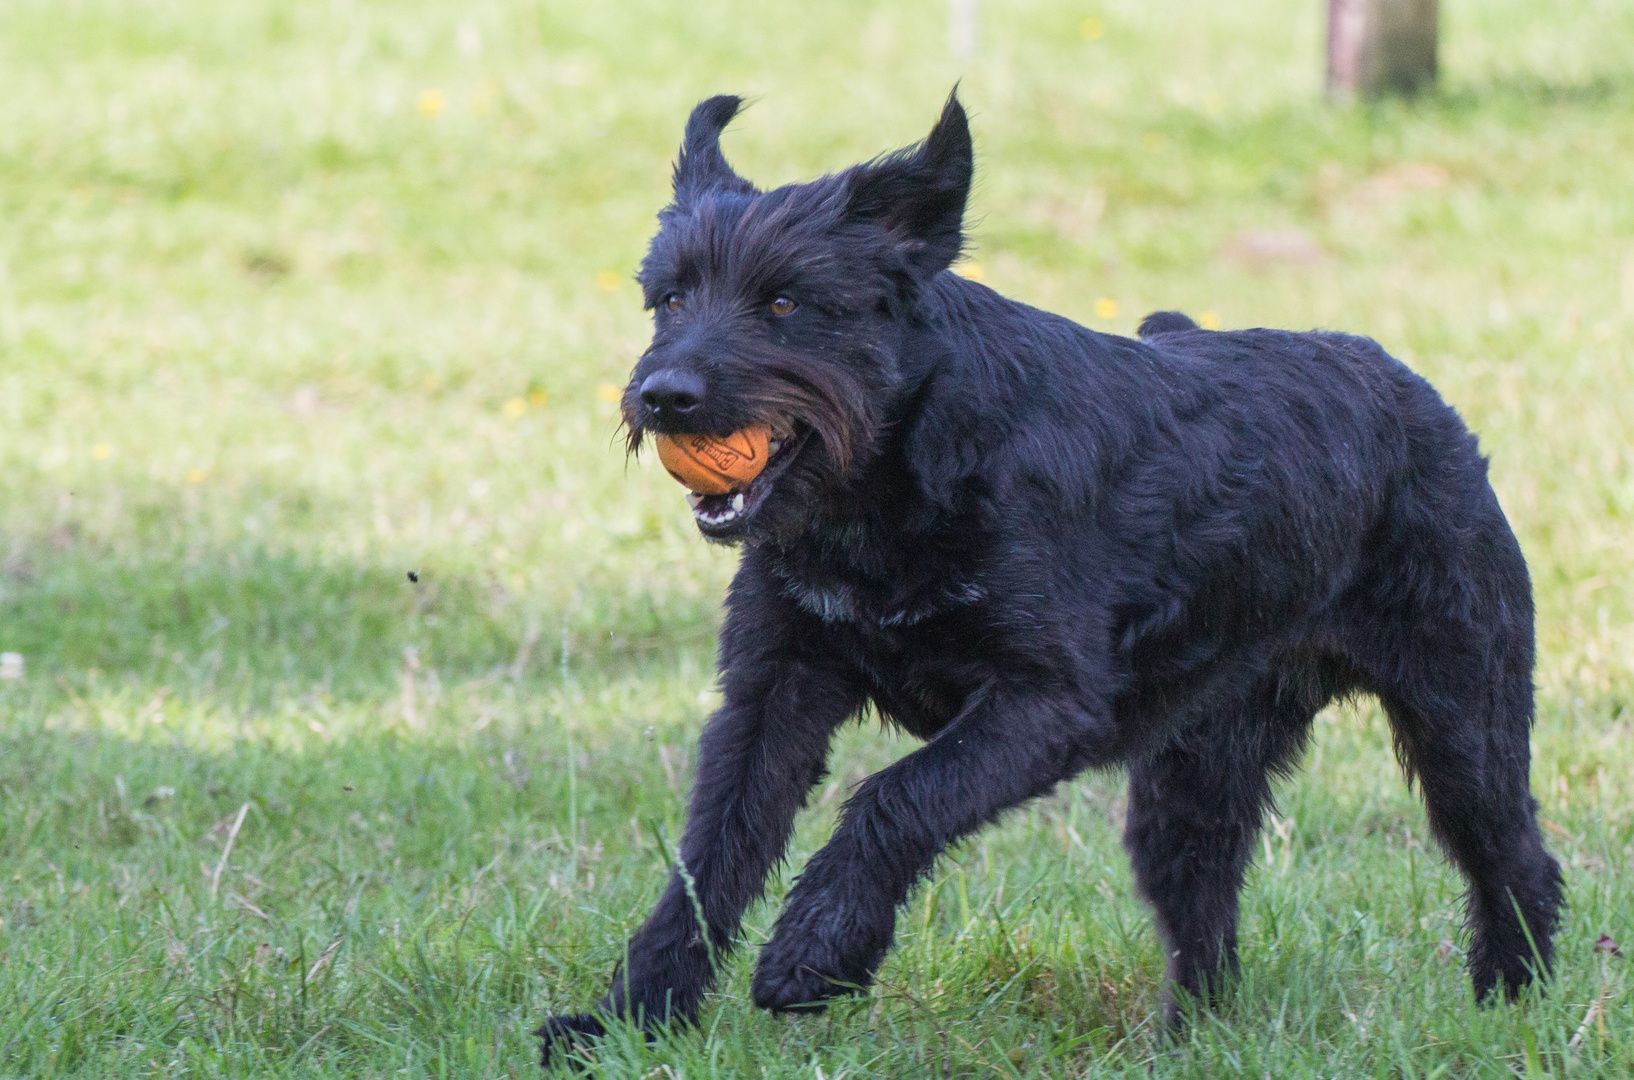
[
  {"x": 701, "y": 166},
  {"x": 918, "y": 194}
]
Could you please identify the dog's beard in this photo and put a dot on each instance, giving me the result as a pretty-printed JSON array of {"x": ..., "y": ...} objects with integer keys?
[{"x": 825, "y": 416}]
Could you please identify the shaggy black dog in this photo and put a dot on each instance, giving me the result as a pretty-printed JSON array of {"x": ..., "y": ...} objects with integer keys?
[{"x": 1043, "y": 550}]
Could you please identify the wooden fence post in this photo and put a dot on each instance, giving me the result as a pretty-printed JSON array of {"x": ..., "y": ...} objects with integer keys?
[{"x": 1378, "y": 47}]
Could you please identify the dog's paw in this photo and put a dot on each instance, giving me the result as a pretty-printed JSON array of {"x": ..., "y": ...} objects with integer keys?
[
  {"x": 803, "y": 976},
  {"x": 563, "y": 1033}
]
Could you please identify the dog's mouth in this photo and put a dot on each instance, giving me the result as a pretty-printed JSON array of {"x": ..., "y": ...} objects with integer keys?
[{"x": 725, "y": 515}]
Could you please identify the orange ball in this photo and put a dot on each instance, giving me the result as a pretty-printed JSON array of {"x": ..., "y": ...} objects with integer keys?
[{"x": 713, "y": 466}]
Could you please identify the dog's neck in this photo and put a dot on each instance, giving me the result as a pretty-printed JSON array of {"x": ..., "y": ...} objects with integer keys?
[{"x": 883, "y": 549}]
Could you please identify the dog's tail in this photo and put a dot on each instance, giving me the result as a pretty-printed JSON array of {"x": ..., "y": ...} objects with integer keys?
[{"x": 1164, "y": 322}]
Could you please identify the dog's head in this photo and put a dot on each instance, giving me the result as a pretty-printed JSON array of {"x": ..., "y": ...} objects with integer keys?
[{"x": 785, "y": 308}]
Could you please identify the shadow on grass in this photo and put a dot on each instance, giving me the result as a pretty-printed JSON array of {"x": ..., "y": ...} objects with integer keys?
[
  {"x": 1528, "y": 88},
  {"x": 247, "y": 627}
]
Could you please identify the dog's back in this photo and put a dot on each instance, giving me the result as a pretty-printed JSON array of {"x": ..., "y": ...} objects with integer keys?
[{"x": 1229, "y": 495}]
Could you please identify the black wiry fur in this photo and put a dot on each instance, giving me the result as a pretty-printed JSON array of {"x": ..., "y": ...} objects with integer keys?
[{"x": 1044, "y": 549}]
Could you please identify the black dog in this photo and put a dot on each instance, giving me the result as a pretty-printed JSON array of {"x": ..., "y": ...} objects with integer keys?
[{"x": 1043, "y": 550}]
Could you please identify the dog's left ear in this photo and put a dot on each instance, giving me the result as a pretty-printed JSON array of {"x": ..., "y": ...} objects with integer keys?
[
  {"x": 701, "y": 166},
  {"x": 918, "y": 194}
]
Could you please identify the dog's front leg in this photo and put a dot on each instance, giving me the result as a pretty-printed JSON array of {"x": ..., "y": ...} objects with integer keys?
[
  {"x": 757, "y": 759},
  {"x": 1006, "y": 746}
]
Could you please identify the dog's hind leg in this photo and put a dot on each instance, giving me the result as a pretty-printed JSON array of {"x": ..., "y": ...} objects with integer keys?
[
  {"x": 1463, "y": 732},
  {"x": 1195, "y": 809},
  {"x": 1446, "y": 643},
  {"x": 1480, "y": 808}
]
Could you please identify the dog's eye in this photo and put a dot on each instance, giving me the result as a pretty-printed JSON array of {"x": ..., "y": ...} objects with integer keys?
[
  {"x": 783, "y": 306},
  {"x": 673, "y": 301}
]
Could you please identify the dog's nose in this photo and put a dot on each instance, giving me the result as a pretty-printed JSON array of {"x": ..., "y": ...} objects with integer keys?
[{"x": 672, "y": 391}]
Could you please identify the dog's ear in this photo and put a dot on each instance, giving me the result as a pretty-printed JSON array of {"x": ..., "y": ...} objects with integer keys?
[
  {"x": 918, "y": 194},
  {"x": 701, "y": 166}
]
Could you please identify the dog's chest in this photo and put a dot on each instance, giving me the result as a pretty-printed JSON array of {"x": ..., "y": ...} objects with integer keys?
[
  {"x": 837, "y": 601},
  {"x": 856, "y": 578},
  {"x": 916, "y": 628}
]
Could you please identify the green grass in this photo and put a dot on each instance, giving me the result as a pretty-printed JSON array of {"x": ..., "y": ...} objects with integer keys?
[{"x": 275, "y": 328}]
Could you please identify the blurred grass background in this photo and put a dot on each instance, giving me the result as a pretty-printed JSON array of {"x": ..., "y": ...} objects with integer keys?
[{"x": 298, "y": 297}]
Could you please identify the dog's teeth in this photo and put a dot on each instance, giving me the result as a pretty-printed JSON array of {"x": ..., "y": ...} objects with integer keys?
[
  {"x": 737, "y": 501},
  {"x": 693, "y": 499}
]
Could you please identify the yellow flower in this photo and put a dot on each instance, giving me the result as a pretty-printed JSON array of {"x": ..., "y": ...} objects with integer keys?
[
  {"x": 1106, "y": 308},
  {"x": 195, "y": 476},
  {"x": 608, "y": 281},
  {"x": 430, "y": 102},
  {"x": 102, "y": 451},
  {"x": 1092, "y": 29},
  {"x": 973, "y": 271},
  {"x": 537, "y": 398},
  {"x": 1153, "y": 142},
  {"x": 515, "y": 408},
  {"x": 608, "y": 392},
  {"x": 1208, "y": 320}
]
